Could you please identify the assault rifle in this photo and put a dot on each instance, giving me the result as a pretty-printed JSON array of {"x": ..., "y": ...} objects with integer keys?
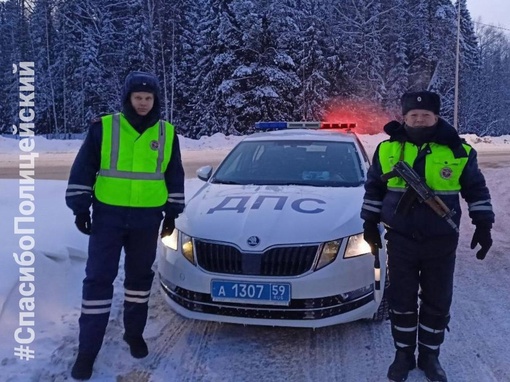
[{"x": 418, "y": 189}]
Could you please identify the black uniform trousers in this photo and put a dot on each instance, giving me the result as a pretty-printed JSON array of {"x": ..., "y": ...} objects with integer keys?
[
  {"x": 421, "y": 269},
  {"x": 113, "y": 228}
]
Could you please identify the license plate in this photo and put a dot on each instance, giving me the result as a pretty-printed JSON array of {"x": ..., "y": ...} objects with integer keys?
[{"x": 250, "y": 293}]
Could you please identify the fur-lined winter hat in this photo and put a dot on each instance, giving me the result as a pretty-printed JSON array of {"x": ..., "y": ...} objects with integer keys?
[
  {"x": 424, "y": 100},
  {"x": 140, "y": 82}
]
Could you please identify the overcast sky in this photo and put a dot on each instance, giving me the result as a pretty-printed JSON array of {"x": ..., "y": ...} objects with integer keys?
[{"x": 494, "y": 12}]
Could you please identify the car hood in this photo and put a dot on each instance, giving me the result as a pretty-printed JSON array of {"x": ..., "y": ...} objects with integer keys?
[{"x": 273, "y": 214}]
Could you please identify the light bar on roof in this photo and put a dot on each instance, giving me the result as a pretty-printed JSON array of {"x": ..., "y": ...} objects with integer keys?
[
  {"x": 287, "y": 125},
  {"x": 303, "y": 125}
]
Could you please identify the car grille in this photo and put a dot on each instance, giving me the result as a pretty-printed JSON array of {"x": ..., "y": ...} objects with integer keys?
[{"x": 278, "y": 261}]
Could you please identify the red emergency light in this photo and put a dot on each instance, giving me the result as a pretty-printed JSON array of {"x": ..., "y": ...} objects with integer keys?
[{"x": 338, "y": 125}]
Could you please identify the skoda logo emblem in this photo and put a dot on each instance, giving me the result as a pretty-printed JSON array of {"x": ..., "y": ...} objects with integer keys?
[{"x": 253, "y": 241}]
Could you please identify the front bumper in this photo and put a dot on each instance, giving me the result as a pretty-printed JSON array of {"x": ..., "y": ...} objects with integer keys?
[
  {"x": 320, "y": 298},
  {"x": 311, "y": 312}
]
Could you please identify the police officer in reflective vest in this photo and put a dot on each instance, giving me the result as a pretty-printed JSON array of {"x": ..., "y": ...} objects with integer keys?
[
  {"x": 421, "y": 245},
  {"x": 129, "y": 170}
]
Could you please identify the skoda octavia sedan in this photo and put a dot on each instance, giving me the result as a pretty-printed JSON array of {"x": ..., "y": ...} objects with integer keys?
[{"x": 274, "y": 236}]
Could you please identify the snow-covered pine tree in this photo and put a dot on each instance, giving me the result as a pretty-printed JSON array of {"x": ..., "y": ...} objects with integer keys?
[
  {"x": 312, "y": 101},
  {"x": 494, "y": 84},
  {"x": 8, "y": 82},
  {"x": 361, "y": 24},
  {"x": 44, "y": 36},
  {"x": 15, "y": 46},
  {"x": 396, "y": 63},
  {"x": 217, "y": 36},
  {"x": 263, "y": 83},
  {"x": 469, "y": 72},
  {"x": 178, "y": 33}
]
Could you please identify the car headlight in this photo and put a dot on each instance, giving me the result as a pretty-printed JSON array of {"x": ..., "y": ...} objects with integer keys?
[
  {"x": 328, "y": 253},
  {"x": 186, "y": 243},
  {"x": 356, "y": 246},
  {"x": 171, "y": 241}
]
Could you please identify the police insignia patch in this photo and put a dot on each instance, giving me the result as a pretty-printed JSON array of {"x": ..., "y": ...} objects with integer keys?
[
  {"x": 154, "y": 145},
  {"x": 446, "y": 173}
]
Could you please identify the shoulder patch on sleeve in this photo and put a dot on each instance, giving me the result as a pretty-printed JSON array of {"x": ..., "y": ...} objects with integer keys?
[{"x": 97, "y": 118}]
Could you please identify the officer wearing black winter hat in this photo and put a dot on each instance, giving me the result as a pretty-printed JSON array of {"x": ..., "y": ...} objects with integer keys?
[
  {"x": 423, "y": 100},
  {"x": 421, "y": 246},
  {"x": 129, "y": 170}
]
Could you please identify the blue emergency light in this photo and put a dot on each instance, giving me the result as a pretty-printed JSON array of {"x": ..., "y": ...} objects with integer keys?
[
  {"x": 303, "y": 125},
  {"x": 270, "y": 125}
]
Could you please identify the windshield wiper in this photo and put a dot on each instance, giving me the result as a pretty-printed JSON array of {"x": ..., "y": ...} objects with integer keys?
[{"x": 221, "y": 181}]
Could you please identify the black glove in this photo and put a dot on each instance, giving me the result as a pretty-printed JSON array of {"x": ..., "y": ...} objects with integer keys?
[
  {"x": 371, "y": 234},
  {"x": 483, "y": 237},
  {"x": 168, "y": 226},
  {"x": 83, "y": 222}
]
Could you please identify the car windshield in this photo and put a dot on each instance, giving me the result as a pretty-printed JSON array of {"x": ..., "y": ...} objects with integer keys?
[{"x": 311, "y": 163}]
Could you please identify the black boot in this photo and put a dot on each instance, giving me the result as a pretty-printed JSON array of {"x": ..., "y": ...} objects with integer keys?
[
  {"x": 82, "y": 368},
  {"x": 137, "y": 346},
  {"x": 403, "y": 363},
  {"x": 429, "y": 363},
  {"x": 430, "y": 337}
]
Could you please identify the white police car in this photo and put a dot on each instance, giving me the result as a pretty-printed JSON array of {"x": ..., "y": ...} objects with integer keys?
[{"x": 274, "y": 237}]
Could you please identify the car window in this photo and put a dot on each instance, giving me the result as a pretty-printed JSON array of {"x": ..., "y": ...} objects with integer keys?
[{"x": 314, "y": 163}]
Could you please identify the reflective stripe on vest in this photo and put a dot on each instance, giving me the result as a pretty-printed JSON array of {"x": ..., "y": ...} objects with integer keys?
[
  {"x": 442, "y": 169},
  {"x": 132, "y": 164}
]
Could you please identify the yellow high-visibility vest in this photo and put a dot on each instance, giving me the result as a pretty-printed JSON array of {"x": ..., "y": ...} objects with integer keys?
[
  {"x": 442, "y": 169},
  {"x": 133, "y": 165}
]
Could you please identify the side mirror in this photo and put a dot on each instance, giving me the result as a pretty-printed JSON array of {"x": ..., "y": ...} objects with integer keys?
[{"x": 204, "y": 173}]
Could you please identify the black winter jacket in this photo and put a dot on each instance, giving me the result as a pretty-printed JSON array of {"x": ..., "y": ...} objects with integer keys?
[{"x": 421, "y": 222}]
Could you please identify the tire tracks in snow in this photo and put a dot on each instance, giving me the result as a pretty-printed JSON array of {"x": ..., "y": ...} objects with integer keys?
[
  {"x": 228, "y": 352},
  {"x": 194, "y": 361}
]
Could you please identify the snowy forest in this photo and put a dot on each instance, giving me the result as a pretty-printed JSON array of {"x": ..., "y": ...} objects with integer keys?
[{"x": 226, "y": 64}]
